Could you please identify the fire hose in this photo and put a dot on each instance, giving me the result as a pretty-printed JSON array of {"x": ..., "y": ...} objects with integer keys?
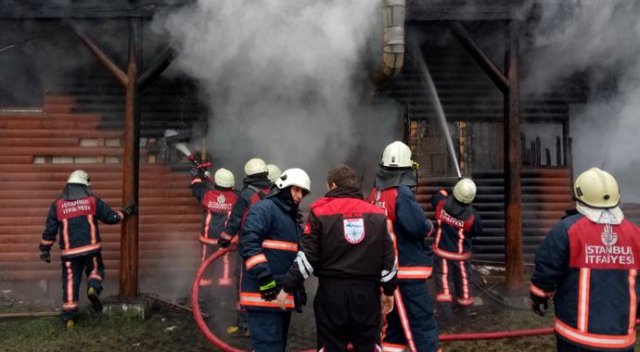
[{"x": 217, "y": 342}]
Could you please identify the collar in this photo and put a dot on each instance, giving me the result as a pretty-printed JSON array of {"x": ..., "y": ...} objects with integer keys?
[{"x": 345, "y": 192}]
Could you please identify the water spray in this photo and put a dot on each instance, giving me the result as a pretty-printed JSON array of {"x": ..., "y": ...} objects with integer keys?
[
  {"x": 182, "y": 147},
  {"x": 422, "y": 65}
]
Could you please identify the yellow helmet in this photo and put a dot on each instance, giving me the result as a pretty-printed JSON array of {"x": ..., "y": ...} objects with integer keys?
[
  {"x": 465, "y": 191},
  {"x": 274, "y": 172},
  {"x": 255, "y": 166},
  {"x": 224, "y": 178},
  {"x": 597, "y": 188},
  {"x": 81, "y": 177}
]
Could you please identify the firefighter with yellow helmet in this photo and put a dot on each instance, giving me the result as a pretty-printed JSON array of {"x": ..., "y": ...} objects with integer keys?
[{"x": 589, "y": 264}]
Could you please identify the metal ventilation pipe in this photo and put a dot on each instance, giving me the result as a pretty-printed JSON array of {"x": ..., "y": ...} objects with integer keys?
[{"x": 393, "y": 41}]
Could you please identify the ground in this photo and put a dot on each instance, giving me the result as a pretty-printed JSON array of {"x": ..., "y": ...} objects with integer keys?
[{"x": 167, "y": 328}]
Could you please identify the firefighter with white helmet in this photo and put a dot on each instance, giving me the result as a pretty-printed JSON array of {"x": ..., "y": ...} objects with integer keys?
[
  {"x": 457, "y": 223},
  {"x": 274, "y": 172},
  {"x": 217, "y": 201},
  {"x": 411, "y": 324},
  {"x": 269, "y": 244},
  {"x": 256, "y": 186},
  {"x": 75, "y": 216},
  {"x": 588, "y": 263}
]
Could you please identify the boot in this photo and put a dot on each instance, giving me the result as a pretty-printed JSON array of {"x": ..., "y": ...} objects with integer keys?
[
  {"x": 95, "y": 300},
  {"x": 69, "y": 324},
  {"x": 238, "y": 331}
]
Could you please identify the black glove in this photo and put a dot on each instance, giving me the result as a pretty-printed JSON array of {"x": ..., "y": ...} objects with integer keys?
[
  {"x": 539, "y": 305},
  {"x": 269, "y": 288},
  {"x": 129, "y": 210},
  {"x": 45, "y": 256},
  {"x": 197, "y": 172},
  {"x": 225, "y": 240}
]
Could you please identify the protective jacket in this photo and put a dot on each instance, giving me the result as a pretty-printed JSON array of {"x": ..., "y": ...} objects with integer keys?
[
  {"x": 217, "y": 204},
  {"x": 256, "y": 187},
  {"x": 345, "y": 238},
  {"x": 409, "y": 230},
  {"x": 591, "y": 270},
  {"x": 75, "y": 215},
  {"x": 457, "y": 224},
  {"x": 268, "y": 244}
]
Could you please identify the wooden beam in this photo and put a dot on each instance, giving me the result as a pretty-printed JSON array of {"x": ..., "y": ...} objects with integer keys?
[
  {"x": 162, "y": 62},
  {"x": 102, "y": 57},
  {"x": 494, "y": 73},
  {"x": 130, "y": 173},
  {"x": 512, "y": 167}
]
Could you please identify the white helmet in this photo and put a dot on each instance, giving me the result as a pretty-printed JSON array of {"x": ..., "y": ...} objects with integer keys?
[
  {"x": 224, "y": 178},
  {"x": 255, "y": 166},
  {"x": 274, "y": 172},
  {"x": 465, "y": 191},
  {"x": 294, "y": 177},
  {"x": 597, "y": 188},
  {"x": 79, "y": 176},
  {"x": 396, "y": 154}
]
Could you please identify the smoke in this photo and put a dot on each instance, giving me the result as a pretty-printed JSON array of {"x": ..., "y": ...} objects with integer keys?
[
  {"x": 285, "y": 81},
  {"x": 597, "y": 40}
]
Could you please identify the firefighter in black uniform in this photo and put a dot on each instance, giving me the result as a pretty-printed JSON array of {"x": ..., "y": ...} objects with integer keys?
[
  {"x": 457, "y": 223},
  {"x": 347, "y": 246},
  {"x": 75, "y": 216},
  {"x": 269, "y": 244},
  {"x": 217, "y": 202},
  {"x": 256, "y": 187}
]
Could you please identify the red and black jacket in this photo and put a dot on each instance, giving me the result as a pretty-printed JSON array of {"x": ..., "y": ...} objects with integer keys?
[
  {"x": 345, "y": 237},
  {"x": 591, "y": 271},
  {"x": 256, "y": 187},
  {"x": 77, "y": 222},
  {"x": 457, "y": 224},
  {"x": 409, "y": 231},
  {"x": 217, "y": 204}
]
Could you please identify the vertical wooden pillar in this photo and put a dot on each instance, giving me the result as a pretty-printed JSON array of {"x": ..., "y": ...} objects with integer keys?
[
  {"x": 512, "y": 166},
  {"x": 130, "y": 165}
]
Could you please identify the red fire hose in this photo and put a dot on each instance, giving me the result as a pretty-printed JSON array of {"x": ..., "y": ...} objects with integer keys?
[{"x": 197, "y": 315}]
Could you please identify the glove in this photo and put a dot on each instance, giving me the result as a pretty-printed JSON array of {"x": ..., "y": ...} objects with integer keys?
[
  {"x": 129, "y": 210},
  {"x": 225, "y": 240},
  {"x": 269, "y": 288},
  {"x": 45, "y": 256},
  {"x": 539, "y": 305},
  {"x": 197, "y": 172}
]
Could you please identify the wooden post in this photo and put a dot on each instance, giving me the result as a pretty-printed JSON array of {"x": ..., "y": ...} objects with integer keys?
[
  {"x": 130, "y": 165},
  {"x": 512, "y": 167}
]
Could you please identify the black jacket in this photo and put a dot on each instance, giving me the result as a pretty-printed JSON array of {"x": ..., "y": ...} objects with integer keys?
[{"x": 345, "y": 237}]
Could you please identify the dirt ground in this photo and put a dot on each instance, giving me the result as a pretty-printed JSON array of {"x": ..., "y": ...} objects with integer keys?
[{"x": 167, "y": 328}]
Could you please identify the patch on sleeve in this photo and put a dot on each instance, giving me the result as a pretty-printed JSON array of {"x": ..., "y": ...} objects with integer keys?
[{"x": 354, "y": 230}]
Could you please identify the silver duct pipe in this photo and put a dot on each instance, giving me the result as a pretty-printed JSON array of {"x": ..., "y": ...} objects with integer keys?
[{"x": 393, "y": 41}]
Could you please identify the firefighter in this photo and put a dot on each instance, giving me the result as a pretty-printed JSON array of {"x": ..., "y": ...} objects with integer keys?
[
  {"x": 588, "y": 263},
  {"x": 457, "y": 222},
  {"x": 217, "y": 203},
  {"x": 74, "y": 214},
  {"x": 274, "y": 172},
  {"x": 347, "y": 246},
  {"x": 411, "y": 324},
  {"x": 256, "y": 187},
  {"x": 269, "y": 244}
]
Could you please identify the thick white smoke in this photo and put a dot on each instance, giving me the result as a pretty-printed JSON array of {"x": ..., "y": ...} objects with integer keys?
[
  {"x": 284, "y": 80},
  {"x": 598, "y": 39}
]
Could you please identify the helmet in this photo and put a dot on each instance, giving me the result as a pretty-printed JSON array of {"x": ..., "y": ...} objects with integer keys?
[
  {"x": 464, "y": 191},
  {"x": 274, "y": 172},
  {"x": 294, "y": 177},
  {"x": 79, "y": 176},
  {"x": 597, "y": 188},
  {"x": 224, "y": 178},
  {"x": 255, "y": 166},
  {"x": 396, "y": 154}
]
